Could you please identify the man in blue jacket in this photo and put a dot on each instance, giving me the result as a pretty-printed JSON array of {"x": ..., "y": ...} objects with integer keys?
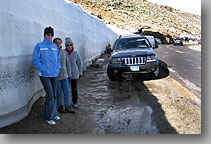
[{"x": 46, "y": 59}]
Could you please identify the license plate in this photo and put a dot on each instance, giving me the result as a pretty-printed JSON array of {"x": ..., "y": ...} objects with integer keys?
[{"x": 134, "y": 68}]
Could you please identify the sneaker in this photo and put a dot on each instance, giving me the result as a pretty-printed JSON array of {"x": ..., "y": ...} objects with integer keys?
[
  {"x": 61, "y": 110},
  {"x": 50, "y": 122},
  {"x": 68, "y": 109},
  {"x": 75, "y": 105},
  {"x": 57, "y": 118}
]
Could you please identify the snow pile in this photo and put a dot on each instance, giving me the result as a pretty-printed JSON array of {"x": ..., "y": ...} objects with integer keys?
[
  {"x": 118, "y": 30},
  {"x": 21, "y": 27}
]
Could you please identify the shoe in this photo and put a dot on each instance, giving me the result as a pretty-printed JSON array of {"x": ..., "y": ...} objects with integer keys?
[
  {"x": 50, "y": 122},
  {"x": 57, "y": 118},
  {"x": 75, "y": 105},
  {"x": 68, "y": 109},
  {"x": 61, "y": 110}
]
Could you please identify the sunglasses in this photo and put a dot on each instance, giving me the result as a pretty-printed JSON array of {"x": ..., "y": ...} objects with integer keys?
[
  {"x": 69, "y": 45},
  {"x": 58, "y": 43},
  {"x": 49, "y": 34}
]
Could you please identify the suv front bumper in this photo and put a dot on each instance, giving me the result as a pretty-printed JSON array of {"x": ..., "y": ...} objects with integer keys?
[{"x": 126, "y": 69}]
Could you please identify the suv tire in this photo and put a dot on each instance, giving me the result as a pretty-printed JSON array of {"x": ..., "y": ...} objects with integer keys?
[
  {"x": 113, "y": 76},
  {"x": 155, "y": 74}
]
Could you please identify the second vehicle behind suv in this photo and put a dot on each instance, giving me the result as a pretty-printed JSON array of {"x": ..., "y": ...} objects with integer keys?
[
  {"x": 133, "y": 55},
  {"x": 178, "y": 41}
]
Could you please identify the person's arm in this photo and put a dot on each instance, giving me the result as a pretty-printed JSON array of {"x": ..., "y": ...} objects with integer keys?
[
  {"x": 36, "y": 58},
  {"x": 68, "y": 65},
  {"x": 58, "y": 59},
  {"x": 79, "y": 64}
]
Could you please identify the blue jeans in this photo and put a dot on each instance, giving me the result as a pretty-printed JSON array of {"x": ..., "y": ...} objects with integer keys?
[
  {"x": 63, "y": 85},
  {"x": 49, "y": 85}
]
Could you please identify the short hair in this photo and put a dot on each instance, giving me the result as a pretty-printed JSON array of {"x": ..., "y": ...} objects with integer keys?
[{"x": 54, "y": 40}]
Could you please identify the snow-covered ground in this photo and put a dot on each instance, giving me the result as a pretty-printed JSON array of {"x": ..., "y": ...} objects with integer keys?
[{"x": 21, "y": 27}]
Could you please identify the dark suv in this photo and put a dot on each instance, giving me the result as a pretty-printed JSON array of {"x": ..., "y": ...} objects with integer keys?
[
  {"x": 133, "y": 55},
  {"x": 178, "y": 41}
]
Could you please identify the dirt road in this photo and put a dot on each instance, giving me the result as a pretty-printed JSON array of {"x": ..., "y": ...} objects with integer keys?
[{"x": 133, "y": 105}]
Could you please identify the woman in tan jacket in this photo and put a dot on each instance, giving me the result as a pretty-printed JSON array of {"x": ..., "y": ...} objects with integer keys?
[{"x": 62, "y": 80}]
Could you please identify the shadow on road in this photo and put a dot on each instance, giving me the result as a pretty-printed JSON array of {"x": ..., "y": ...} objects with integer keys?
[{"x": 146, "y": 98}]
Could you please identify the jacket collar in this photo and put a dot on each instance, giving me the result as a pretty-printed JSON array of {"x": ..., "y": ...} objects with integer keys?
[
  {"x": 74, "y": 51},
  {"x": 47, "y": 41}
]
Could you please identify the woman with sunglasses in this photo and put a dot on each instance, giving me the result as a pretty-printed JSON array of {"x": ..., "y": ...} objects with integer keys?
[
  {"x": 62, "y": 80},
  {"x": 76, "y": 69},
  {"x": 46, "y": 59}
]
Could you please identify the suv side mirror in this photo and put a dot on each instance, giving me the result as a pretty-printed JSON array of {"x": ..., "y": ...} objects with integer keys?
[
  {"x": 155, "y": 46},
  {"x": 109, "y": 50}
]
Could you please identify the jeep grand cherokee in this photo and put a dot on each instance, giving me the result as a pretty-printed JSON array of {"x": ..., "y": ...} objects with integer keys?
[{"x": 133, "y": 55}]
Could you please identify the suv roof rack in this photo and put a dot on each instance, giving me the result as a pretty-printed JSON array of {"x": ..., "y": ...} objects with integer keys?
[{"x": 126, "y": 35}]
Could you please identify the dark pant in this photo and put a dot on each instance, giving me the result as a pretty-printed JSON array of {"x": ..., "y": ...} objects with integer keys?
[
  {"x": 49, "y": 85},
  {"x": 74, "y": 91}
]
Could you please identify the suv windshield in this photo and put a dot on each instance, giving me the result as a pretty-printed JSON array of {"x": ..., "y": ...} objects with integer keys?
[{"x": 132, "y": 43}]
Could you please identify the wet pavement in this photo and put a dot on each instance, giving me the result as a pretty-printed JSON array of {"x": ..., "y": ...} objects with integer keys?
[{"x": 132, "y": 105}]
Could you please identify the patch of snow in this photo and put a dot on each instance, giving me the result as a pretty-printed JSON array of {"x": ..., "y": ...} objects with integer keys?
[{"x": 21, "y": 27}]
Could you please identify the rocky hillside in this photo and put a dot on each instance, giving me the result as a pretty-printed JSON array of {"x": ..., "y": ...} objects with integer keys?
[{"x": 161, "y": 21}]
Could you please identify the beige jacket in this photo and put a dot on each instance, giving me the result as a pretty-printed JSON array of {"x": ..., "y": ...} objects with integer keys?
[{"x": 65, "y": 65}]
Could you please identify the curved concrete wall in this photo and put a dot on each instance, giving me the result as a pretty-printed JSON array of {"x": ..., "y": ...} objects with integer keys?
[{"x": 21, "y": 27}]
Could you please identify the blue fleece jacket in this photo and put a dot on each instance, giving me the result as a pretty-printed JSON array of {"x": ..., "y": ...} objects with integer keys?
[{"x": 46, "y": 58}]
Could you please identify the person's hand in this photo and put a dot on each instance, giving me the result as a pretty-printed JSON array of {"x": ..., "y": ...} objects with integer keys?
[
  {"x": 79, "y": 76},
  {"x": 69, "y": 79}
]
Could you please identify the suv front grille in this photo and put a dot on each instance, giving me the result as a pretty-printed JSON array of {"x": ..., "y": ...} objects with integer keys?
[{"x": 134, "y": 61}]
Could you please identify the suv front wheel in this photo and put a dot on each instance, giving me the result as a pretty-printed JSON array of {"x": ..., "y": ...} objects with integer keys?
[
  {"x": 155, "y": 74},
  {"x": 112, "y": 75}
]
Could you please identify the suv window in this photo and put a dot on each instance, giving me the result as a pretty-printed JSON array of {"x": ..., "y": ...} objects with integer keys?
[{"x": 132, "y": 43}]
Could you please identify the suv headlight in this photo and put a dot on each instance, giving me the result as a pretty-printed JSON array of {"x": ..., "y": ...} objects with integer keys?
[
  {"x": 115, "y": 60},
  {"x": 152, "y": 58}
]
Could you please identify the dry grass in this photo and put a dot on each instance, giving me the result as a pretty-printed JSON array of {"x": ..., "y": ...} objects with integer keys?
[{"x": 133, "y": 15}]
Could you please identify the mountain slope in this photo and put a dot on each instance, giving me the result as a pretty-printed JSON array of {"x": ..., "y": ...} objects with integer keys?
[{"x": 133, "y": 15}]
